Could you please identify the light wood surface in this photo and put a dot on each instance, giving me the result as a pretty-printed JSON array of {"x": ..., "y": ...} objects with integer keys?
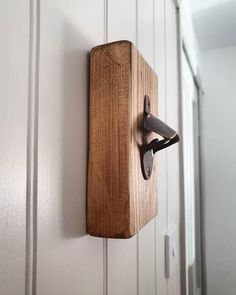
[{"x": 120, "y": 201}]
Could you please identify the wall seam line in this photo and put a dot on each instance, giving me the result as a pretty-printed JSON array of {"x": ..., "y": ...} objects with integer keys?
[
  {"x": 32, "y": 149},
  {"x": 137, "y": 235},
  {"x": 105, "y": 266},
  {"x": 106, "y": 21},
  {"x": 105, "y": 240},
  {"x": 154, "y": 66},
  {"x": 166, "y": 158},
  {"x": 165, "y": 41}
]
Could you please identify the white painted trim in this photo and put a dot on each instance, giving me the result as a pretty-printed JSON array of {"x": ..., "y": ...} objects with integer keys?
[
  {"x": 197, "y": 82},
  {"x": 181, "y": 153},
  {"x": 195, "y": 73},
  {"x": 197, "y": 77},
  {"x": 183, "y": 47}
]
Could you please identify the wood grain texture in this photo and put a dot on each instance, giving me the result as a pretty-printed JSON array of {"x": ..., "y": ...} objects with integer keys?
[{"x": 120, "y": 201}]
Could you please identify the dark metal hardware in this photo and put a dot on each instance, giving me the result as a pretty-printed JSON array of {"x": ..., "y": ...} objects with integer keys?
[{"x": 153, "y": 124}]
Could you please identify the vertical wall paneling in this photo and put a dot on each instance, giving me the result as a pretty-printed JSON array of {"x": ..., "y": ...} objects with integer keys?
[
  {"x": 69, "y": 261},
  {"x": 14, "y": 29},
  {"x": 44, "y": 69},
  {"x": 105, "y": 241},
  {"x": 172, "y": 117},
  {"x": 173, "y": 193},
  {"x": 122, "y": 254},
  {"x": 147, "y": 242},
  {"x": 159, "y": 39},
  {"x": 122, "y": 20}
]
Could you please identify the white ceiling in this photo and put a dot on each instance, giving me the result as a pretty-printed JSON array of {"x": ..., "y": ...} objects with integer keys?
[
  {"x": 214, "y": 22},
  {"x": 202, "y": 4}
]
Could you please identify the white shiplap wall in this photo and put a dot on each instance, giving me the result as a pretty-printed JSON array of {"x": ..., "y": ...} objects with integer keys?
[
  {"x": 49, "y": 54},
  {"x": 14, "y": 53}
]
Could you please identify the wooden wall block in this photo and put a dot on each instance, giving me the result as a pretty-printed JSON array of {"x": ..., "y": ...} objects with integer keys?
[{"x": 120, "y": 201}]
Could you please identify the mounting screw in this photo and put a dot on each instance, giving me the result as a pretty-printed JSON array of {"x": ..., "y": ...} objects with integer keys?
[
  {"x": 147, "y": 104},
  {"x": 148, "y": 171}
]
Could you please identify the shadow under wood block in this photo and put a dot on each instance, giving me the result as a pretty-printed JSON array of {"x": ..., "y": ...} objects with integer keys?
[{"x": 75, "y": 131}]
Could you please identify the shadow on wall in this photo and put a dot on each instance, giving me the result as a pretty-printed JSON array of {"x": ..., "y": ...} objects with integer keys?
[{"x": 75, "y": 131}]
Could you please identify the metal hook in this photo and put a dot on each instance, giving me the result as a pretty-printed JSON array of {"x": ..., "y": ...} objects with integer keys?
[{"x": 153, "y": 124}]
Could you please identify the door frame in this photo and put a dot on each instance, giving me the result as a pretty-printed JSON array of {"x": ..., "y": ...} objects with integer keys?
[
  {"x": 201, "y": 274},
  {"x": 183, "y": 48}
]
